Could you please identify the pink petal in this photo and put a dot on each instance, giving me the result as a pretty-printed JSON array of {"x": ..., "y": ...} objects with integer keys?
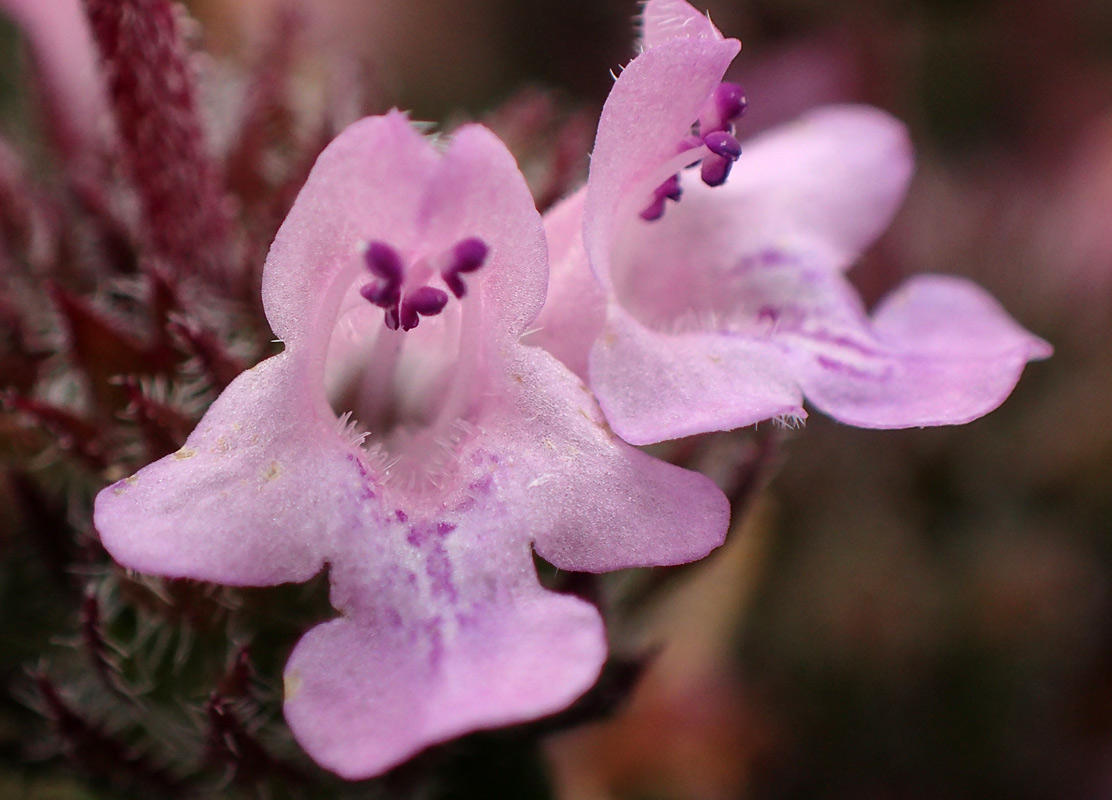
[
  {"x": 575, "y": 308},
  {"x": 664, "y": 20},
  {"x": 656, "y": 386},
  {"x": 255, "y": 497},
  {"x": 595, "y": 503},
  {"x": 366, "y": 692},
  {"x": 479, "y": 191},
  {"x": 949, "y": 354}
]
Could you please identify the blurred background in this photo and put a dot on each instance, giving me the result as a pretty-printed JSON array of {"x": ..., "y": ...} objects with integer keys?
[{"x": 909, "y": 614}]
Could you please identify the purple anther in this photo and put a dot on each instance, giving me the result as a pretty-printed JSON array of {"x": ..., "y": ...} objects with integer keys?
[
  {"x": 729, "y": 101},
  {"x": 425, "y": 301},
  {"x": 455, "y": 283},
  {"x": 715, "y": 169},
  {"x": 669, "y": 190},
  {"x": 467, "y": 256},
  {"x": 385, "y": 262},
  {"x": 383, "y": 294},
  {"x": 654, "y": 210},
  {"x": 392, "y": 320},
  {"x": 723, "y": 144},
  {"x": 408, "y": 317}
]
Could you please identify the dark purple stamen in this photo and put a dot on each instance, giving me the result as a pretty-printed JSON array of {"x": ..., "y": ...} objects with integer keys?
[
  {"x": 729, "y": 101},
  {"x": 669, "y": 190},
  {"x": 654, "y": 210},
  {"x": 715, "y": 169},
  {"x": 470, "y": 254},
  {"x": 385, "y": 262},
  {"x": 467, "y": 256},
  {"x": 723, "y": 144},
  {"x": 404, "y": 307},
  {"x": 714, "y": 130},
  {"x": 382, "y": 293},
  {"x": 425, "y": 301}
]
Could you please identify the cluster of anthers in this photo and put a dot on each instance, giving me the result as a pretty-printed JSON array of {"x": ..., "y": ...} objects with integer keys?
[
  {"x": 404, "y": 306},
  {"x": 713, "y": 135}
]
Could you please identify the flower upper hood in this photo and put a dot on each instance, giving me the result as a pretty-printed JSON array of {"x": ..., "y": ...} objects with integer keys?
[{"x": 406, "y": 437}]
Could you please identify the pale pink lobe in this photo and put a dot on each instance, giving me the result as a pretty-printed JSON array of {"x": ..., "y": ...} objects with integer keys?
[
  {"x": 947, "y": 354},
  {"x": 664, "y": 20},
  {"x": 489, "y": 647},
  {"x": 597, "y": 504},
  {"x": 62, "y": 46},
  {"x": 654, "y": 386},
  {"x": 256, "y": 495},
  {"x": 470, "y": 198}
]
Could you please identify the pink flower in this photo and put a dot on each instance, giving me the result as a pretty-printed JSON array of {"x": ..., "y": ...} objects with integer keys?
[
  {"x": 408, "y": 439},
  {"x": 724, "y": 305}
]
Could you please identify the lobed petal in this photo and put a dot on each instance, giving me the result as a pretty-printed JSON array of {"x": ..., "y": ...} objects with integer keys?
[
  {"x": 950, "y": 354},
  {"x": 255, "y": 497},
  {"x": 594, "y": 503},
  {"x": 656, "y": 386},
  {"x": 366, "y": 693},
  {"x": 478, "y": 190}
]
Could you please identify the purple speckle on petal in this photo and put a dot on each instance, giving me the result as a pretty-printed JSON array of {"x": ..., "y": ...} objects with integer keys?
[
  {"x": 439, "y": 569},
  {"x": 417, "y": 535},
  {"x": 481, "y": 484},
  {"x": 436, "y": 640},
  {"x": 401, "y": 515}
]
